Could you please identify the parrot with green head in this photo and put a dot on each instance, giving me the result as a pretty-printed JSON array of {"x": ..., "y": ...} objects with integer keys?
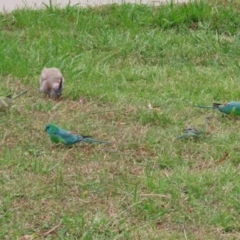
[
  {"x": 7, "y": 102},
  {"x": 59, "y": 135},
  {"x": 196, "y": 129},
  {"x": 231, "y": 108}
]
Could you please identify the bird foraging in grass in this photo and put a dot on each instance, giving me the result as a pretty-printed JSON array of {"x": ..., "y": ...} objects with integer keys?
[
  {"x": 59, "y": 135},
  {"x": 196, "y": 128},
  {"x": 51, "y": 82},
  {"x": 7, "y": 102},
  {"x": 231, "y": 108}
]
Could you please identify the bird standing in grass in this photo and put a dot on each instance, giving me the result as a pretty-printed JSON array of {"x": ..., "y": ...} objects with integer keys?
[
  {"x": 51, "y": 82},
  {"x": 231, "y": 108},
  {"x": 59, "y": 135},
  {"x": 7, "y": 102},
  {"x": 196, "y": 129}
]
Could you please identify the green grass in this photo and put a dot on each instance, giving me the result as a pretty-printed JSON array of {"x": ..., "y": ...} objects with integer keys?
[{"x": 120, "y": 59}]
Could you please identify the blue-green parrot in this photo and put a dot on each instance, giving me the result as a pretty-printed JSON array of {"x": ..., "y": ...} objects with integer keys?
[
  {"x": 59, "y": 135},
  {"x": 231, "y": 108}
]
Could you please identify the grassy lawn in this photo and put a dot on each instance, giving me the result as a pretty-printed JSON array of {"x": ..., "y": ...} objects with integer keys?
[{"x": 139, "y": 70}]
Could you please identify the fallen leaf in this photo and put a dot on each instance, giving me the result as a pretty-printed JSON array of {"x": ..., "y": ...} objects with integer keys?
[
  {"x": 51, "y": 230},
  {"x": 155, "y": 195},
  {"x": 150, "y": 106},
  {"x": 81, "y": 100},
  {"x": 227, "y": 38},
  {"x": 156, "y": 108},
  {"x": 223, "y": 158},
  {"x": 26, "y": 237}
]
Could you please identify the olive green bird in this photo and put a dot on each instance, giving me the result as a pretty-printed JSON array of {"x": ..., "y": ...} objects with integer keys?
[
  {"x": 231, "y": 108},
  {"x": 196, "y": 129},
  {"x": 7, "y": 102}
]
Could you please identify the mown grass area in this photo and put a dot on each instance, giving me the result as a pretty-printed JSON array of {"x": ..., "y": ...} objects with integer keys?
[{"x": 140, "y": 70}]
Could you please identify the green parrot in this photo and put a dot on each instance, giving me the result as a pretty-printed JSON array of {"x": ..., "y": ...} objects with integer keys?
[
  {"x": 231, "y": 108},
  {"x": 59, "y": 135},
  {"x": 7, "y": 102},
  {"x": 196, "y": 129}
]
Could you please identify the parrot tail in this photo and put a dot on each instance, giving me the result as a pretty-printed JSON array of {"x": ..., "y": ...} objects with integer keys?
[
  {"x": 211, "y": 107},
  {"x": 182, "y": 136},
  {"x": 21, "y": 93},
  {"x": 88, "y": 139},
  {"x": 190, "y": 133}
]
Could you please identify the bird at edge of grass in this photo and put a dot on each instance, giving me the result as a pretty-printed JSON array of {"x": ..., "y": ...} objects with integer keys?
[
  {"x": 51, "y": 82},
  {"x": 7, "y": 102},
  {"x": 59, "y": 135},
  {"x": 231, "y": 108},
  {"x": 196, "y": 129}
]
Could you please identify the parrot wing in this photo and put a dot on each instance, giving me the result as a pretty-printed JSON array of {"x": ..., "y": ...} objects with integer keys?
[{"x": 68, "y": 137}]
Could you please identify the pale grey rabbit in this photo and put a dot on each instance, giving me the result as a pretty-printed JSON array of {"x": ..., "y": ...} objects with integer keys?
[{"x": 51, "y": 82}]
